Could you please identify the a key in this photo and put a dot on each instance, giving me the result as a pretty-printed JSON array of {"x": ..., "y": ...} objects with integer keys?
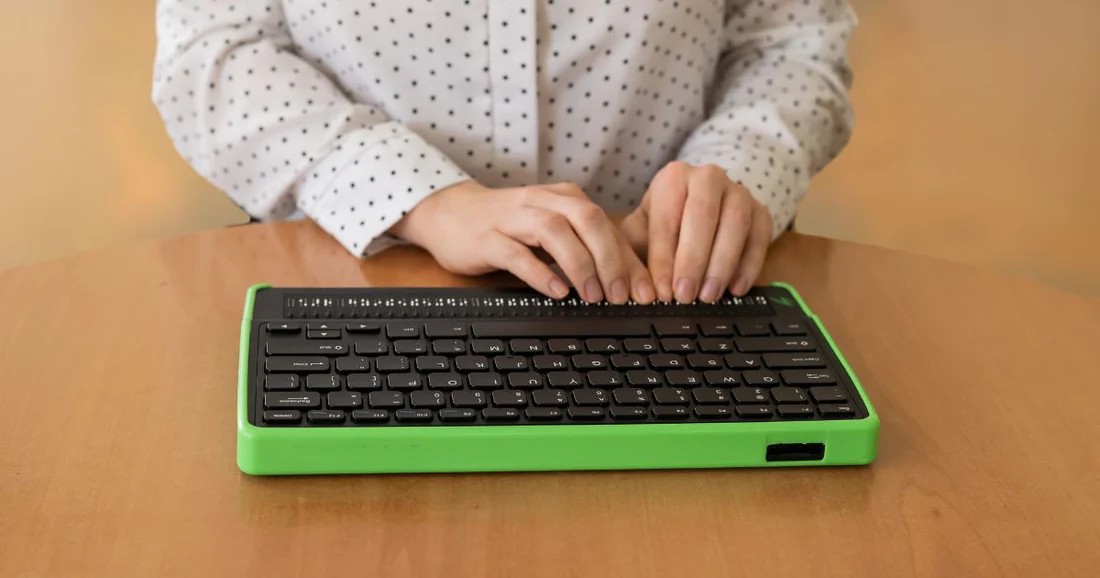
[
  {"x": 500, "y": 414},
  {"x": 364, "y": 382},
  {"x": 753, "y": 328},
  {"x": 565, "y": 379},
  {"x": 445, "y": 381},
  {"x": 753, "y": 411},
  {"x": 413, "y": 415},
  {"x": 371, "y": 346},
  {"x": 763, "y": 378},
  {"x": 643, "y": 378},
  {"x": 457, "y": 415},
  {"x": 292, "y": 400},
  {"x": 602, "y": 345},
  {"x": 391, "y": 364},
  {"x": 671, "y": 396},
  {"x": 630, "y": 396},
  {"x": 525, "y": 380},
  {"x": 444, "y": 329},
  {"x": 281, "y": 382},
  {"x": 638, "y": 345},
  {"x": 704, "y": 361},
  {"x": 590, "y": 397},
  {"x": 485, "y": 381},
  {"x": 572, "y": 328},
  {"x": 793, "y": 360},
  {"x": 283, "y": 416},
  {"x": 670, "y": 412},
  {"x": 824, "y": 394},
  {"x": 788, "y": 410},
  {"x": 402, "y": 330},
  {"x": 589, "y": 361},
  {"x": 509, "y": 398},
  {"x": 344, "y": 400},
  {"x": 742, "y": 361},
  {"x": 550, "y": 397},
  {"x": 324, "y": 334},
  {"x": 722, "y": 377},
  {"x": 712, "y": 412},
  {"x": 803, "y": 377},
  {"x": 410, "y": 346},
  {"x": 331, "y": 349},
  {"x": 837, "y": 409},
  {"x": 627, "y": 361},
  {"x": 716, "y": 328},
  {"x": 428, "y": 363},
  {"x": 750, "y": 395},
  {"x": 468, "y": 398},
  {"x": 467, "y": 363},
  {"x": 427, "y": 399},
  {"x": 284, "y": 327},
  {"x": 586, "y": 413},
  {"x": 604, "y": 378},
  {"x": 768, "y": 344},
  {"x": 568, "y": 346},
  {"x": 370, "y": 416},
  {"x": 296, "y": 365},
  {"x": 350, "y": 364},
  {"x": 789, "y": 395},
  {"x": 510, "y": 363},
  {"x": 628, "y": 413},
  {"x": 448, "y": 347},
  {"x": 684, "y": 378},
  {"x": 544, "y": 414},
  {"x": 666, "y": 328},
  {"x": 325, "y": 416},
  {"x": 710, "y": 396},
  {"x": 550, "y": 362},
  {"x": 318, "y": 382},
  {"x": 487, "y": 346},
  {"x": 789, "y": 327},
  {"x": 525, "y": 346},
  {"x": 715, "y": 345},
  {"x": 368, "y": 327},
  {"x": 320, "y": 326},
  {"x": 403, "y": 381},
  {"x": 666, "y": 361},
  {"x": 677, "y": 345}
]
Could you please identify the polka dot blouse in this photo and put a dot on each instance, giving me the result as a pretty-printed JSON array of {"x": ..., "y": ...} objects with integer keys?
[{"x": 350, "y": 112}]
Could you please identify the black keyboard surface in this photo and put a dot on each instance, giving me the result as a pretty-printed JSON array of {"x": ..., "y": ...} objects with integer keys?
[{"x": 399, "y": 357}]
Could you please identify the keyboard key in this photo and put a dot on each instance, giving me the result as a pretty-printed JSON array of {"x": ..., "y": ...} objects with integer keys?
[
  {"x": 666, "y": 361},
  {"x": 403, "y": 381},
  {"x": 789, "y": 327},
  {"x": 704, "y": 361},
  {"x": 566, "y": 379},
  {"x": 630, "y": 396},
  {"x": 444, "y": 329},
  {"x": 509, "y": 398},
  {"x": 370, "y": 416},
  {"x": 565, "y": 346},
  {"x": 323, "y": 382},
  {"x": 789, "y": 395},
  {"x": 413, "y": 415},
  {"x": 753, "y": 328},
  {"x": 485, "y": 381},
  {"x": 410, "y": 346},
  {"x": 670, "y": 412},
  {"x": 586, "y": 413},
  {"x": 292, "y": 400},
  {"x": 750, "y": 395},
  {"x": 427, "y": 363},
  {"x": 510, "y": 363},
  {"x": 296, "y": 365},
  {"x": 627, "y": 361},
  {"x": 753, "y": 411},
  {"x": 712, "y": 412},
  {"x": 453, "y": 415},
  {"x": 710, "y": 396},
  {"x": 802, "y": 377},
  {"x": 628, "y": 413},
  {"x": 369, "y": 327},
  {"x": 722, "y": 377},
  {"x": 364, "y": 382},
  {"x": 672, "y": 328},
  {"x": 371, "y": 346},
  {"x": 445, "y": 381},
  {"x": 682, "y": 377},
  {"x": 604, "y": 378},
  {"x": 283, "y": 416},
  {"x": 742, "y": 361},
  {"x": 788, "y": 410},
  {"x": 550, "y": 397},
  {"x": 344, "y": 400},
  {"x": 793, "y": 360},
  {"x": 677, "y": 345},
  {"x": 544, "y": 414},
  {"x": 590, "y": 397},
  {"x": 324, "y": 334},
  {"x": 468, "y": 399},
  {"x": 525, "y": 346},
  {"x": 602, "y": 345},
  {"x": 467, "y": 363},
  {"x": 715, "y": 345},
  {"x": 281, "y": 382},
  {"x": 671, "y": 396},
  {"x": 500, "y": 414},
  {"x": 284, "y": 327},
  {"x": 487, "y": 346},
  {"x": 448, "y": 347},
  {"x": 325, "y": 417},
  {"x": 526, "y": 380},
  {"x": 350, "y": 364},
  {"x": 764, "y": 378},
  {"x": 837, "y": 409},
  {"x": 572, "y": 329},
  {"x": 641, "y": 345},
  {"x": 402, "y": 330},
  {"x": 427, "y": 399},
  {"x": 589, "y": 361},
  {"x": 767, "y": 344},
  {"x": 550, "y": 362},
  {"x": 643, "y": 378},
  {"x": 827, "y": 394},
  {"x": 306, "y": 348},
  {"x": 716, "y": 328},
  {"x": 385, "y": 399},
  {"x": 321, "y": 326}
]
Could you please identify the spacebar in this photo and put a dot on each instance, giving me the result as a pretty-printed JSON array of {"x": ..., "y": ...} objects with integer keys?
[{"x": 576, "y": 328}]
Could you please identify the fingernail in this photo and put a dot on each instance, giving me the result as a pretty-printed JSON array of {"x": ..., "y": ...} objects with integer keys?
[
  {"x": 644, "y": 289},
  {"x": 592, "y": 292},
  {"x": 619, "y": 293},
  {"x": 711, "y": 289},
  {"x": 557, "y": 288},
  {"x": 685, "y": 290},
  {"x": 664, "y": 289}
]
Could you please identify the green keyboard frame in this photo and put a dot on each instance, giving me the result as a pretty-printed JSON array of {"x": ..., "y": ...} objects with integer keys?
[{"x": 423, "y": 449}]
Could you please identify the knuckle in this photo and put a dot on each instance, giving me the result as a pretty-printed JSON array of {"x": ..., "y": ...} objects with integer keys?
[
  {"x": 712, "y": 171},
  {"x": 553, "y": 223},
  {"x": 590, "y": 214}
]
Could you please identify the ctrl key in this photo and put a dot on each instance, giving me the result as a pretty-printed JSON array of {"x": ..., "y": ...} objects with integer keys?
[{"x": 286, "y": 416}]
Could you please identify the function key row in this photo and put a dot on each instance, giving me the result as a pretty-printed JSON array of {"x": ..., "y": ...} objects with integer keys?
[{"x": 546, "y": 329}]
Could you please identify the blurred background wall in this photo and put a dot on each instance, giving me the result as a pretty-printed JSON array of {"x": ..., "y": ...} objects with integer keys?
[{"x": 978, "y": 128}]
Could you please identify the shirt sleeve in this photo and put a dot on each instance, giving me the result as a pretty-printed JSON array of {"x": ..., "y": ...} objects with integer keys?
[
  {"x": 276, "y": 133},
  {"x": 780, "y": 109}
]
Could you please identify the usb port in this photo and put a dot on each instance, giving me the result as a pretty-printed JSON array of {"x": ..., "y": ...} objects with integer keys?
[{"x": 795, "y": 452}]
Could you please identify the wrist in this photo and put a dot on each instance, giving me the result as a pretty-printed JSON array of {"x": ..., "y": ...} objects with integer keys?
[{"x": 416, "y": 226}]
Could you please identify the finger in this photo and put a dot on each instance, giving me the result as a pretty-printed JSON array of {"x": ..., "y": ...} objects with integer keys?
[
  {"x": 635, "y": 228},
  {"x": 706, "y": 187},
  {"x": 554, "y": 234},
  {"x": 756, "y": 249},
  {"x": 510, "y": 255},
  {"x": 734, "y": 227},
  {"x": 641, "y": 283},
  {"x": 667, "y": 194}
]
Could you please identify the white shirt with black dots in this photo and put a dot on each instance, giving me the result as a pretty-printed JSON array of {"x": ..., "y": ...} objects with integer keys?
[{"x": 350, "y": 112}]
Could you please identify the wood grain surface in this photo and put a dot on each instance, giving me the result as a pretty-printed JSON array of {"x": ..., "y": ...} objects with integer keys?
[{"x": 117, "y": 440}]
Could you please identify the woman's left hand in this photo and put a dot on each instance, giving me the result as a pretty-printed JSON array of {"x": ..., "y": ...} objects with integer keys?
[{"x": 702, "y": 232}]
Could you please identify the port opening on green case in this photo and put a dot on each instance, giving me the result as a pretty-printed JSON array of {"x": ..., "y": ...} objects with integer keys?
[{"x": 796, "y": 452}]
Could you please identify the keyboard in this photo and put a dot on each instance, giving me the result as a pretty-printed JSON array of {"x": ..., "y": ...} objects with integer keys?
[{"x": 381, "y": 380}]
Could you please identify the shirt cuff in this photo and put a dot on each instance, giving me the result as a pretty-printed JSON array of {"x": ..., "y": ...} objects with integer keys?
[{"x": 373, "y": 178}]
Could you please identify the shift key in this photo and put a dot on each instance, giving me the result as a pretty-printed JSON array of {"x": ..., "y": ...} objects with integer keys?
[{"x": 297, "y": 364}]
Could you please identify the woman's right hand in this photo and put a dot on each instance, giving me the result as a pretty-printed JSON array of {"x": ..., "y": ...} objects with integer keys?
[{"x": 472, "y": 230}]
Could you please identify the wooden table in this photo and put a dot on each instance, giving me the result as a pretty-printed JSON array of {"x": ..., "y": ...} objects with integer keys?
[{"x": 117, "y": 437}]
